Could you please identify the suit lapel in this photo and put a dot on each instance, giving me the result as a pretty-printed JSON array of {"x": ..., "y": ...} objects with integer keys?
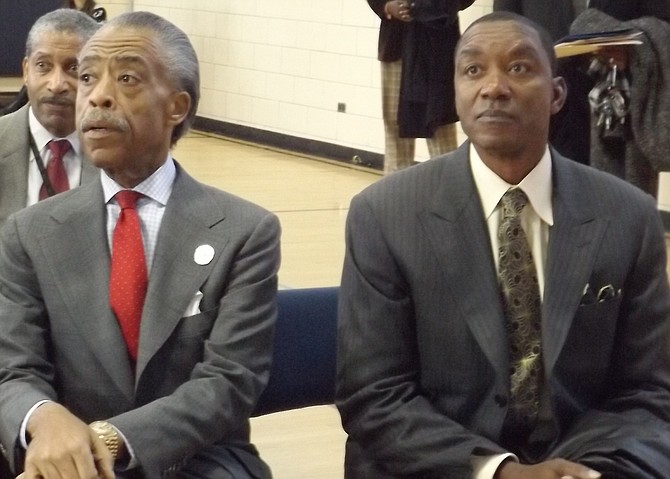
[
  {"x": 82, "y": 216},
  {"x": 456, "y": 229},
  {"x": 175, "y": 277},
  {"x": 573, "y": 242},
  {"x": 14, "y": 164}
]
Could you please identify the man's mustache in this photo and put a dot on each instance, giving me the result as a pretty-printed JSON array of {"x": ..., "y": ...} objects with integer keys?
[
  {"x": 57, "y": 100},
  {"x": 102, "y": 119}
]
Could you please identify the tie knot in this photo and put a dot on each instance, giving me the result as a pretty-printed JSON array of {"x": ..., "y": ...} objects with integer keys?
[
  {"x": 513, "y": 202},
  {"x": 127, "y": 198},
  {"x": 58, "y": 148}
]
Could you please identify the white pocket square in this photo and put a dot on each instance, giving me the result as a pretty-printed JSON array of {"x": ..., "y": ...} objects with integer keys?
[{"x": 194, "y": 306}]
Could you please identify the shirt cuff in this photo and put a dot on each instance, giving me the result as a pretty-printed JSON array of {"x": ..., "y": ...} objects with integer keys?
[
  {"x": 132, "y": 460},
  {"x": 485, "y": 467},
  {"x": 24, "y": 425}
]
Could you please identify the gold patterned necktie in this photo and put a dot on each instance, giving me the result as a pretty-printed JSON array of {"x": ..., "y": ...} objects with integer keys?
[{"x": 522, "y": 306}]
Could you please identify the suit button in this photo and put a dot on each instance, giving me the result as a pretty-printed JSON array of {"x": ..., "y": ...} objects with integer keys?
[{"x": 500, "y": 400}]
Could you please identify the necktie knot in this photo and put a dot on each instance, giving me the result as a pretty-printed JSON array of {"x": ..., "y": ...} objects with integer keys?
[
  {"x": 513, "y": 201},
  {"x": 127, "y": 199},
  {"x": 59, "y": 148}
]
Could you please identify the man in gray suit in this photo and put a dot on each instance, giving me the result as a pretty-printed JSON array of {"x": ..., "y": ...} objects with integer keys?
[
  {"x": 92, "y": 383},
  {"x": 425, "y": 344},
  {"x": 50, "y": 76}
]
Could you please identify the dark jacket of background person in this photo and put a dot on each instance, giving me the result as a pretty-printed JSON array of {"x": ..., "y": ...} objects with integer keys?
[
  {"x": 426, "y": 47},
  {"x": 645, "y": 150},
  {"x": 555, "y": 16}
]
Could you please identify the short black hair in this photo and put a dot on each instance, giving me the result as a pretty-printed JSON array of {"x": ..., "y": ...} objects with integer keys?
[{"x": 545, "y": 38}]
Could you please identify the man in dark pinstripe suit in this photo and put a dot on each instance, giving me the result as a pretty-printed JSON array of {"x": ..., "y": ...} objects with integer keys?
[{"x": 423, "y": 381}]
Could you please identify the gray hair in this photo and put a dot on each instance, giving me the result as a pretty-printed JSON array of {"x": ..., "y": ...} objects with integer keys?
[
  {"x": 64, "y": 20},
  {"x": 178, "y": 58}
]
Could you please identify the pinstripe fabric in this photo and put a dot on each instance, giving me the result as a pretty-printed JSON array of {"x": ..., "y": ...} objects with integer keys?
[{"x": 399, "y": 152}]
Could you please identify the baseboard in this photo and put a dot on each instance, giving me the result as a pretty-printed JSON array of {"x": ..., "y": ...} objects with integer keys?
[{"x": 328, "y": 151}]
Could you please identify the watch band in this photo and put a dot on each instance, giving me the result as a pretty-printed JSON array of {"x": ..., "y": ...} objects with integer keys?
[{"x": 108, "y": 434}]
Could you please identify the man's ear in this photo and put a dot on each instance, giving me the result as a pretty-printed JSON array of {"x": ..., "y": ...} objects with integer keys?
[
  {"x": 24, "y": 69},
  {"x": 179, "y": 107},
  {"x": 560, "y": 93}
]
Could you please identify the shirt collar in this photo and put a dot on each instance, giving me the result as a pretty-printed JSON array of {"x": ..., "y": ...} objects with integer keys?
[
  {"x": 537, "y": 186},
  {"x": 42, "y": 136},
  {"x": 158, "y": 186}
]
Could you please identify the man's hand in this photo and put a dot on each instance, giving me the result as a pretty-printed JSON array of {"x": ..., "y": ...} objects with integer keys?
[
  {"x": 398, "y": 9},
  {"x": 553, "y": 469},
  {"x": 63, "y": 446}
]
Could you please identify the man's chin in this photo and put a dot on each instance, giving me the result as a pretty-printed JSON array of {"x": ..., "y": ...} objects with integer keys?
[
  {"x": 58, "y": 125},
  {"x": 103, "y": 158}
]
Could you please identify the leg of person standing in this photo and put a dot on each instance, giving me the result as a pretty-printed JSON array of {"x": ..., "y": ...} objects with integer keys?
[
  {"x": 443, "y": 140},
  {"x": 399, "y": 152}
]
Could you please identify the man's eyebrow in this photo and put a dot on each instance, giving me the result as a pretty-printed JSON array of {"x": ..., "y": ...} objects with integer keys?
[
  {"x": 89, "y": 58},
  {"x": 518, "y": 50},
  {"x": 524, "y": 50}
]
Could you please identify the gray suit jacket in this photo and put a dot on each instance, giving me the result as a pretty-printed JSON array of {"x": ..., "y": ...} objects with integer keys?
[
  {"x": 14, "y": 155},
  {"x": 197, "y": 378},
  {"x": 423, "y": 364}
]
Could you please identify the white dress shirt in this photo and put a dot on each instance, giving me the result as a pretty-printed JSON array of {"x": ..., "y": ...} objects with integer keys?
[
  {"x": 71, "y": 160},
  {"x": 536, "y": 218}
]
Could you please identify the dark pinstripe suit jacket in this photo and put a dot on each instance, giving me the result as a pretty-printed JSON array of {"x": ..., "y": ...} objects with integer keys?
[{"x": 423, "y": 362}]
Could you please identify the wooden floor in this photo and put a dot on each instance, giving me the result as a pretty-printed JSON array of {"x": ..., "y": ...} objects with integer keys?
[{"x": 311, "y": 198}]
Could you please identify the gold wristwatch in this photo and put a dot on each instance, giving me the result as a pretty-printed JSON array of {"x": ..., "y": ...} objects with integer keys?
[{"x": 108, "y": 434}]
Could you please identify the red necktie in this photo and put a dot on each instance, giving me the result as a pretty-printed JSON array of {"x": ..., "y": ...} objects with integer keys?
[
  {"x": 55, "y": 169},
  {"x": 128, "y": 279}
]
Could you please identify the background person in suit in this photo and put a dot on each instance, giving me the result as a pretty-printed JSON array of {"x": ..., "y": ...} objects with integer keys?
[
  {"x": 50, "y": 77},
  {"x": 162, "y": 383},
  {"x": 424, "y": 359}
]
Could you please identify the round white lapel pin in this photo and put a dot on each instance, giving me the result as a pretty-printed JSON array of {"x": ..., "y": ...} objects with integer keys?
[{"x": 203, "y": 254}]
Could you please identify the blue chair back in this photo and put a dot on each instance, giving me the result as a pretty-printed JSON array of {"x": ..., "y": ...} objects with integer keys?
[{"x": 303, "y": 366}]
